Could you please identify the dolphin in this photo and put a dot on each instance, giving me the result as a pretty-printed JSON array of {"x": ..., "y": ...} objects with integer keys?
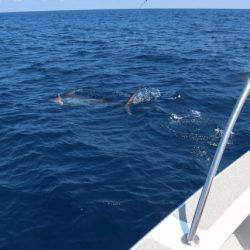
[
  {"x": 76, "y": 100},
  {"x": 142, "y": 95},
  {"x": 131, "y": 101}
]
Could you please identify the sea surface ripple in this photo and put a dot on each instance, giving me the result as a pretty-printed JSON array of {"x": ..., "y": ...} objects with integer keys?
[{"x": 95, "y": 177}]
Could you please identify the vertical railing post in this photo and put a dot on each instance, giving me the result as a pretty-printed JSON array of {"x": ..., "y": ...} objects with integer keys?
[{"x": 191, "y": 238}]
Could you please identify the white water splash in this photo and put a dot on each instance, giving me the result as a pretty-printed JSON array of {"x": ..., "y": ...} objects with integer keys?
[
  {"x": 175, "y": 117},
  {"x": 196, "y": 113},
  {"x": 219, "y": 132},
  {"x": 146, "y": 95},
  {"x": 175, "y": 97}
]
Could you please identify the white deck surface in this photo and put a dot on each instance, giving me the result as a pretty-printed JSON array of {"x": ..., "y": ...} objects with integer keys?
[{"x": 227, "y": 207}]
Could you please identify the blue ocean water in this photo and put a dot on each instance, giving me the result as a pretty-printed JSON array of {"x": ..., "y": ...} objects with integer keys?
[{"x": 93, "y": 176}]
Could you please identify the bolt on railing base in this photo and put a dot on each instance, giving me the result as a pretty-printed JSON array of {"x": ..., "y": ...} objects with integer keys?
[{"x": 192, "y": 243}]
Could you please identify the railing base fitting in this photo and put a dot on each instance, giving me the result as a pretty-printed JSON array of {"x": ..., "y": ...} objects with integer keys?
[{"x": 192, "y": 243}]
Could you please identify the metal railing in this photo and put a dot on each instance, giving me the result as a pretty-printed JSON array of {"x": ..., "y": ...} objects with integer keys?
[{"x": 191, "y": 238}]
